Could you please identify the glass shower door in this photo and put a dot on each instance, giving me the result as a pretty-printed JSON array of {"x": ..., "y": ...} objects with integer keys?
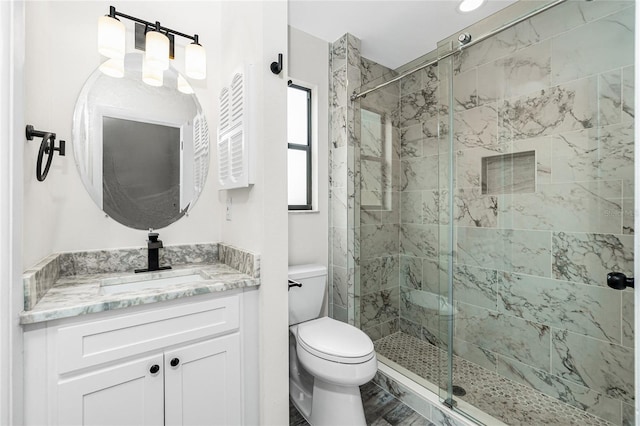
[{"x": 539, "y": 124}]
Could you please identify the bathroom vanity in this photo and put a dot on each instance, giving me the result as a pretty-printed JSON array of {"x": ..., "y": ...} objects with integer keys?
[{"x": 176, "y": 347}]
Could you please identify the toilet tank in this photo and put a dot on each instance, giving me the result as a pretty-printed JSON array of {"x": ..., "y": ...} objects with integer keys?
[{"x": 305, "y": 303}]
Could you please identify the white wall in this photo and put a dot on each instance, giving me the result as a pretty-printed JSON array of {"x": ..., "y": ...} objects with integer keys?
[
  {"x": 61, "y": 53},
  {"x": 309, "y": 231},
  {"x": 11, "y": 134},
  {"x": 255, "y": 32}
]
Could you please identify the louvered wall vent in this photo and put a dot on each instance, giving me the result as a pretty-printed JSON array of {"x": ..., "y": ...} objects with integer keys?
[{"x": 235, "y": 150}]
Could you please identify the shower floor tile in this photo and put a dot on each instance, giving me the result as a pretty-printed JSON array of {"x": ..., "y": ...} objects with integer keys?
[
  {"x": 380, "y": 409},
  {"x": 511, "y": 402}
]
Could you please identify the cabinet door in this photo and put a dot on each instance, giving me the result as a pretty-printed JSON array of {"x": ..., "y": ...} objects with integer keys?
[
  {"x": 203, "y": 388},
  {"x": 126, "y": 394}
]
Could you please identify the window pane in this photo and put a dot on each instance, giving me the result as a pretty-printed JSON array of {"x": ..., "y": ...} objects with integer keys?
[
  {"x": 297, "y": 177},
  {"x": 298, "y": 116}
]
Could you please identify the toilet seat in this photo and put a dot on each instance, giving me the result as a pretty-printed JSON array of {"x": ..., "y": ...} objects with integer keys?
[{"x": 335, "y": 341}]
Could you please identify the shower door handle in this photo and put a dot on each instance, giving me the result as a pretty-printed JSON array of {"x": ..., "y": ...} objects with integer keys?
[{"x": 619, "y": 281}]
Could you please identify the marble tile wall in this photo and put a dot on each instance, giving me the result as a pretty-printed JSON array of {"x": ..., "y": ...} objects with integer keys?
[{"x": 344, "y": 173}]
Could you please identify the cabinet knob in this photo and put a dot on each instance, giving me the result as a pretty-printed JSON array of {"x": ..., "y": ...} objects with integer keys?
[
  {"x": 154, "y": 369},
  {"x": 174, "y": 362}
]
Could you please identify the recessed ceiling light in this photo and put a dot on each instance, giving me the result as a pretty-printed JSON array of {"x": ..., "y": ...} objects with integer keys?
[{"x": 469, "y": 5}]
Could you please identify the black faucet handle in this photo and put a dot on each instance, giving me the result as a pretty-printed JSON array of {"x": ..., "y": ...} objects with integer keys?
[{"x": 153, "y": 237}]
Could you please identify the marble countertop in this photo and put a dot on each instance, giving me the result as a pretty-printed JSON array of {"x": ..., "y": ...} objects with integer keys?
[{"x": 82, "y": 294}]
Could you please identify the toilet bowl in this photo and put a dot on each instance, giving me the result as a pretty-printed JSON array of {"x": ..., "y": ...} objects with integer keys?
[{"x": 328, "y": 359}]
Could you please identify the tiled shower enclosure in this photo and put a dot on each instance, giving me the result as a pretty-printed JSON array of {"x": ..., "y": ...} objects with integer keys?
[{"x": 478, "y": 204}]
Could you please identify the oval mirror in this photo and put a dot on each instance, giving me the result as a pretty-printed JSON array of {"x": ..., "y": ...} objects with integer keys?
[{"x": 142, "y": 150}]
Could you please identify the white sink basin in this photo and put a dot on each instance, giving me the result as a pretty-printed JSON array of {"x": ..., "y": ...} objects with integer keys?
[{"x": 149, "y": 280}]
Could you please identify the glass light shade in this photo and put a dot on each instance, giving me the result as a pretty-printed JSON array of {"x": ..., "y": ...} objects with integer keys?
[
  {"x": 195, "y": 61},
  {"x": 469, "y": 5},
  {"x": 111, "y": 37},
  {"x": 157, "y": 50},
  {"x": 184, "y": 86},
  {"x": 113, "y": 67},
  {"x": 152, "y": 75}
]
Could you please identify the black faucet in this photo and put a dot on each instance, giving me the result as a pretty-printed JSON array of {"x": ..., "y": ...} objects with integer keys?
[{"x": 153, "y": 246}]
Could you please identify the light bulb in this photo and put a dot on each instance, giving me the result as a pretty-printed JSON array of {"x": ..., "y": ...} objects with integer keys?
[
  {"x": 469, "y": 5},
  {"x": 113, "y": 67},
  {"x": 195, "y": 61},
  {"x": 152, "y": 75},
  {"x": 184, "y": 86},
  {"x": 157, "y": 50},
  {"x": 111, "y": 34}
]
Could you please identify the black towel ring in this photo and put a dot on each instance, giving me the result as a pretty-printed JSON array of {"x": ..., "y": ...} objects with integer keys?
[{"x": 47, "y": 146}]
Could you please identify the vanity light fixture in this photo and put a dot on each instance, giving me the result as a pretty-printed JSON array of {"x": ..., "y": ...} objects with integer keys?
[
  {"x": 151, "y": 74},
  {"x": 469, "y": 5},
  {"x": 184, "y": 86},
  {"x": 158, "y": 40}
]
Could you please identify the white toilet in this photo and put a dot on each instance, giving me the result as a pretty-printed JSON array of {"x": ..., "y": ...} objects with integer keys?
[{"x": 328, "y": 359}]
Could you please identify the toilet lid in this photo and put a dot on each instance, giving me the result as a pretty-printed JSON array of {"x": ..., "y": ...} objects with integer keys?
[{"x": 335, "y": 341}]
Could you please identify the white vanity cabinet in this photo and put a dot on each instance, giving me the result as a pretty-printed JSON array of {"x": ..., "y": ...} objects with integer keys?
[{"x": 191, "y": 361}]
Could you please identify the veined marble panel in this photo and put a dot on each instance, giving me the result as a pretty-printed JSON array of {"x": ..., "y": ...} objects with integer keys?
[
  {"x": 370, "y": 270},
  {"x": 598, "y": 365},
  {"x": 339, "y": 246},
  {"x": 580, "y": 308},
  {"x": 379, "y": 307},
  {"x": 628, "y": 325},
  {"x": 340, "y": 280},
  {"x": 628, "y": 93},
  {"x": 372, "y": 133},
  {"x": 411, "y": 205},
  {"x": 391, "y": 213},
  {"x": 411, "y": 141},
  {"x": 433, "y": 205},
  {"x": 525, "y": 341},
  {"x": 374, "y": 72},
  {"x": 566, "y": 391},
  {"x": 385, "y": 102},
  {"x": 390, "y": 272},
  {"x": 526, "y": 252},
  {"x": 420, "y": 173},
  {"x": 411, "y": 272},
  {"x": 353, "y": 51},
  {"x": 435, "y": 276},
  {"x": 465, "y": 92},
  {"x": 338, "y": 127},
  {"x": 428, "y": 309},
  {"x": 339, "y": 53},
  {"x": 472, "y": 208},
  {"x": 477, "y": 128},
  {"x": 525, "y": 71},
  {"x": 411, "y": 83},
  {"x": 338, "y": 166},
  {"x": 542, "y": 147},
  {"x": 563, "y": 108},
  {"x": 417, "y": 107},
  {"x": 338, "y": 206},
  {"x": 372, "y": 179},
  {"x": 475, "y": 354},
  {"x": 600, "y": 153},
  {"x": 571, "y": 15},
  {"x": 610, "y": 97},
  {"x": 468, "y": 167},
  {"x": 476, "y": 286},
  {"x": 339, "y": 92},
  {"x": 419, "y": 240},
  {"x": 587, "y": 258},
  {"x": 593, "y": 48},
  {"x": 498, "y": 46},
  {"x": 628, "y": 415},
  {"x": 430, "y": 142},
  {"x": 572, "y": 207},
  {"x": 378, "y": 241}
]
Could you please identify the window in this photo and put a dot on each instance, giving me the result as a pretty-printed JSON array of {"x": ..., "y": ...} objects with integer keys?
[{"x": 299, "y": 147}]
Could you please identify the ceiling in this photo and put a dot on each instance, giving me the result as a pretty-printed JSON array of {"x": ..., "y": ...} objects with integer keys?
[{"x": 393, "y": 32}]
